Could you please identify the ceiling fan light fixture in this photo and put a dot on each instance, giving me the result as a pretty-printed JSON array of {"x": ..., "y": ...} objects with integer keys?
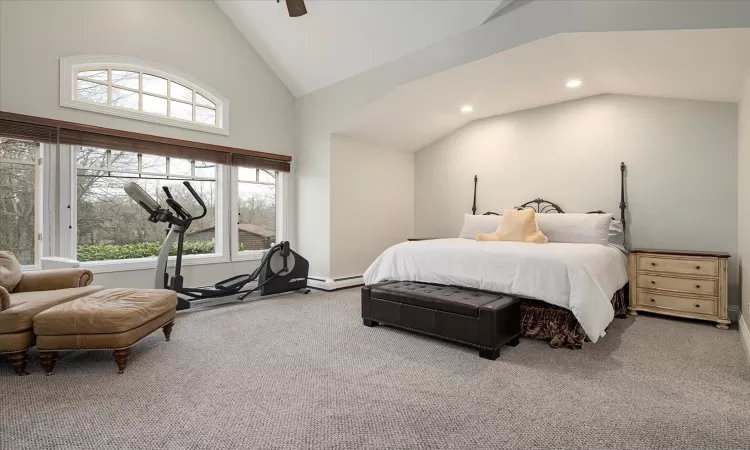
[
  {"x": 296, "y": 8},
  {"x": 573, "y": 83},
  {"x": 466, "y": 109}
]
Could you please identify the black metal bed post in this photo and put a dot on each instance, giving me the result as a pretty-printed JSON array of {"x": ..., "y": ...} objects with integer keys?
[
  {"x": 474, "y": 206},
  {"x": 623, "y": 205}
]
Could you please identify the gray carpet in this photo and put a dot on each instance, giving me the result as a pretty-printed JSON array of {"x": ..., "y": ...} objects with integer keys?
[{"x": 303, "y": 372}]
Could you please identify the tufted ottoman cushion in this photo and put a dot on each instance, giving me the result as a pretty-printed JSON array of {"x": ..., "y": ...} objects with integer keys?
[
  {"x": 440, "y": 298},
  {"x": 113, "y": 319}
]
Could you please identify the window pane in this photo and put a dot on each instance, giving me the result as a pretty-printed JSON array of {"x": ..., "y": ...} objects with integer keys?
[
  {"x": 127, "y": 79},
  {"x": 101, "y": 75},
  {"x": 91, "y": 92},
  {"x": 154, "y": 164},
  {"x": 180, "y": 92},
  {"x": 205, "y": 115},
  {"x": 205, "y": 169},
  {"x": 156, "y": 105},
  {"x": 154, "y": 84},
  {"x": 91, "y": 157},
  {"x": 112, "y": 226},
  {"x": 257, "y": 219},
  {"x": 17, "y": 149},
  {"x": 120, "y": 160},
  {"x": 18, "y": 233},
  {"x": 181, "y": 167},
  {"x": 203, "y": 101},
  {"x": 124, "y": 98},
  {"x": 247, "y": 174},
  {"x": 267, "y": 177},
  {"x": 181, "y": 110}
]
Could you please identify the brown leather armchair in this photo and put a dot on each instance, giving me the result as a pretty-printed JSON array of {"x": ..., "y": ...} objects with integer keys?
[{"x": 24, "y": 295}]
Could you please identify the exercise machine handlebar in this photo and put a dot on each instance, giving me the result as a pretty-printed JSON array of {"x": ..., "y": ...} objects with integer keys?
[{"x": 197, "y": 199}]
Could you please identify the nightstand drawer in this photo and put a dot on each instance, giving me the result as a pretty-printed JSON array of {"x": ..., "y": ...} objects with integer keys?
[
  {"x": 664, "y": 283},
  {"x": 688, "y": 305},
  {"x": 688, "y": 266}
]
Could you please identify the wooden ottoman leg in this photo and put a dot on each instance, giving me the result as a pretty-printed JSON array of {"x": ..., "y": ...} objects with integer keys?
[
  {"x": 515, "y": 341},
  {"x": 18, "y": 360},
  {"x": 48, "y": 361},
  {"x": 121, "y": 358},
  {"x": 369, "y": 323},
  {"x": 167, "y": 329}
]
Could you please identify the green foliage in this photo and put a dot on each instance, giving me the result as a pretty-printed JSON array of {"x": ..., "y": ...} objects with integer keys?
[{"x": 142, "y": 250}]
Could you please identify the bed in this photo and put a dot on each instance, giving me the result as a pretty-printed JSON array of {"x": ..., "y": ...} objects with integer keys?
[{"x": 571, "y": 291}]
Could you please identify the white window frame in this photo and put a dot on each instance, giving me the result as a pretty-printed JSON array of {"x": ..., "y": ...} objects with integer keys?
[
  {"x": 254, "y": 255},
  {"x": 40, "y": 204},
  {"x": 69, "y": 228},
  {"x": 70, "y": 66}
]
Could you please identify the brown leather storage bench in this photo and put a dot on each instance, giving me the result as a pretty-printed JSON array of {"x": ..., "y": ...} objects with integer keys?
[
  {"x": 113, "y": 319},
  {"x": 480, "y": 319}
]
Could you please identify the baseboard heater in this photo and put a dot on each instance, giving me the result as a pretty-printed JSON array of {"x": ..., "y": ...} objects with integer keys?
[{"x": 335, "y": 284}]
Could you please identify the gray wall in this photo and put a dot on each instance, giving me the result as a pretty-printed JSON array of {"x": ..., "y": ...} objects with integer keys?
[
  {"x": 192, "y": 37},
  {"x": 372, "y": 203},
  {"x": 681, "y": 179},
  {"x": 743, "y": 205}
]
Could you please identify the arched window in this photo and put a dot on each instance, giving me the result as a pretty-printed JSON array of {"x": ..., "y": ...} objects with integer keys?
[{"x": 141, "y": 90}]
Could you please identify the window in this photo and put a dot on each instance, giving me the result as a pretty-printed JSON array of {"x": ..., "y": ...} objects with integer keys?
[
  {"x": 20, "y": 199},
  {"x": 256, "y": 209},
  {"x": 137, "y": 89},
  {"x": 110, "y": 226}
]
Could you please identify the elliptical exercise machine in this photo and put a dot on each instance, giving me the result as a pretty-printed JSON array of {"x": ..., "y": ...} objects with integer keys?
[{"x": 281, "y": 270}]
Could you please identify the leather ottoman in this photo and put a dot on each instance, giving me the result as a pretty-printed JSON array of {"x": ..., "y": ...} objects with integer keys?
[
  {"x": 112, "y": 319},
  {"x": 483, "y": 320}
]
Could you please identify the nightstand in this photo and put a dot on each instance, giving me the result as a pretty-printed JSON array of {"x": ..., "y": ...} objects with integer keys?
[{"x": 680, "y": 283}]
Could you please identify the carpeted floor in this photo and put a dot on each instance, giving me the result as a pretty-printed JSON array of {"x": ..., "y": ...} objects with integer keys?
[{"x": 303, "y": 372}]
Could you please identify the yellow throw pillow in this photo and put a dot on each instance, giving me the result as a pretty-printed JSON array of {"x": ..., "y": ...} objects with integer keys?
[{"x": 518, "y": 225}]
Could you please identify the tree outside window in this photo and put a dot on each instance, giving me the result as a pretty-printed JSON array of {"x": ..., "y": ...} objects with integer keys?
[{"x": 19, "y": 166}]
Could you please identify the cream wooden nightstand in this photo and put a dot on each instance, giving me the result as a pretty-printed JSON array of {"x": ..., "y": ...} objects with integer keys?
[{"x": 680, "y": 283}]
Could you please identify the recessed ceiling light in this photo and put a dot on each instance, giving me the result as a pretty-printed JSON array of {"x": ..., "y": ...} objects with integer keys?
[
  {"x": 466, "y": 109},
  {"x": 573, "y": 83}
]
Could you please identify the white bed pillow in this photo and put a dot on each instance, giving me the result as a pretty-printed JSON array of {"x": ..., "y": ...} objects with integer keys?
[
  {"x": 616, "y": 233},
  {"x": 575, "y": 228},
  {"x": 474, "y": 225}
]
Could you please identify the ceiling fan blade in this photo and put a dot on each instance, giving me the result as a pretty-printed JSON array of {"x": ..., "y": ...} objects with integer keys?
[{"x": 296, "y": 8}]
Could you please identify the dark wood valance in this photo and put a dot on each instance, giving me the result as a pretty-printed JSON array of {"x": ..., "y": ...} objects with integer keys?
[{"x": 56, "y": 131}]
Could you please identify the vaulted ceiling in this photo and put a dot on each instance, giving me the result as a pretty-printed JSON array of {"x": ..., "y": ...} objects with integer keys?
[
  {"x": 688, "y": 64},
  {"x": 338, "y": 39}
]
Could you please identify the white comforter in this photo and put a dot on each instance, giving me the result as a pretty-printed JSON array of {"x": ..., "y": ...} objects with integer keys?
[{"x": 579, "y": 277}]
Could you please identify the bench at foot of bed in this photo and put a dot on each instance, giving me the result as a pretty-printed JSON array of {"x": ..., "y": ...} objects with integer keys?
[{"x": 483, "y": 320}]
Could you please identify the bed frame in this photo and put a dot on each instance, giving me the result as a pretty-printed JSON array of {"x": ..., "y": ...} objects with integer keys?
[
  {"x": 541, "y": 320},
  {"x": 542, "y": 206}
]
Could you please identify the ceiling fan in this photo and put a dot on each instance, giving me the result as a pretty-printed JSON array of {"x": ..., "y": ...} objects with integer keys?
[{"x": 296, "y": 7}]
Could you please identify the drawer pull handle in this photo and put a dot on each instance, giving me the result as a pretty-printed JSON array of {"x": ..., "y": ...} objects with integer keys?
[
  {"x": 697, "y": 267},
  {"x": 653, "y": 282},
  {"x": 697, "y": 286},
  {"x": 697, "y": 305},
  {"x": 653, "y": 300},
  {"x": 653, "y": 264}
]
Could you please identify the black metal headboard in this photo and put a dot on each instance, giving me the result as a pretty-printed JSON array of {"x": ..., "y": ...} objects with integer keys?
[{"x": 541, "y": 205}]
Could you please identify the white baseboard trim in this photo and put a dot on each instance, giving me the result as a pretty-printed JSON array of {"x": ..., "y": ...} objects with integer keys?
[
  {"x": 330, "y": 284},
  {"x": 745, "y": 336}
]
